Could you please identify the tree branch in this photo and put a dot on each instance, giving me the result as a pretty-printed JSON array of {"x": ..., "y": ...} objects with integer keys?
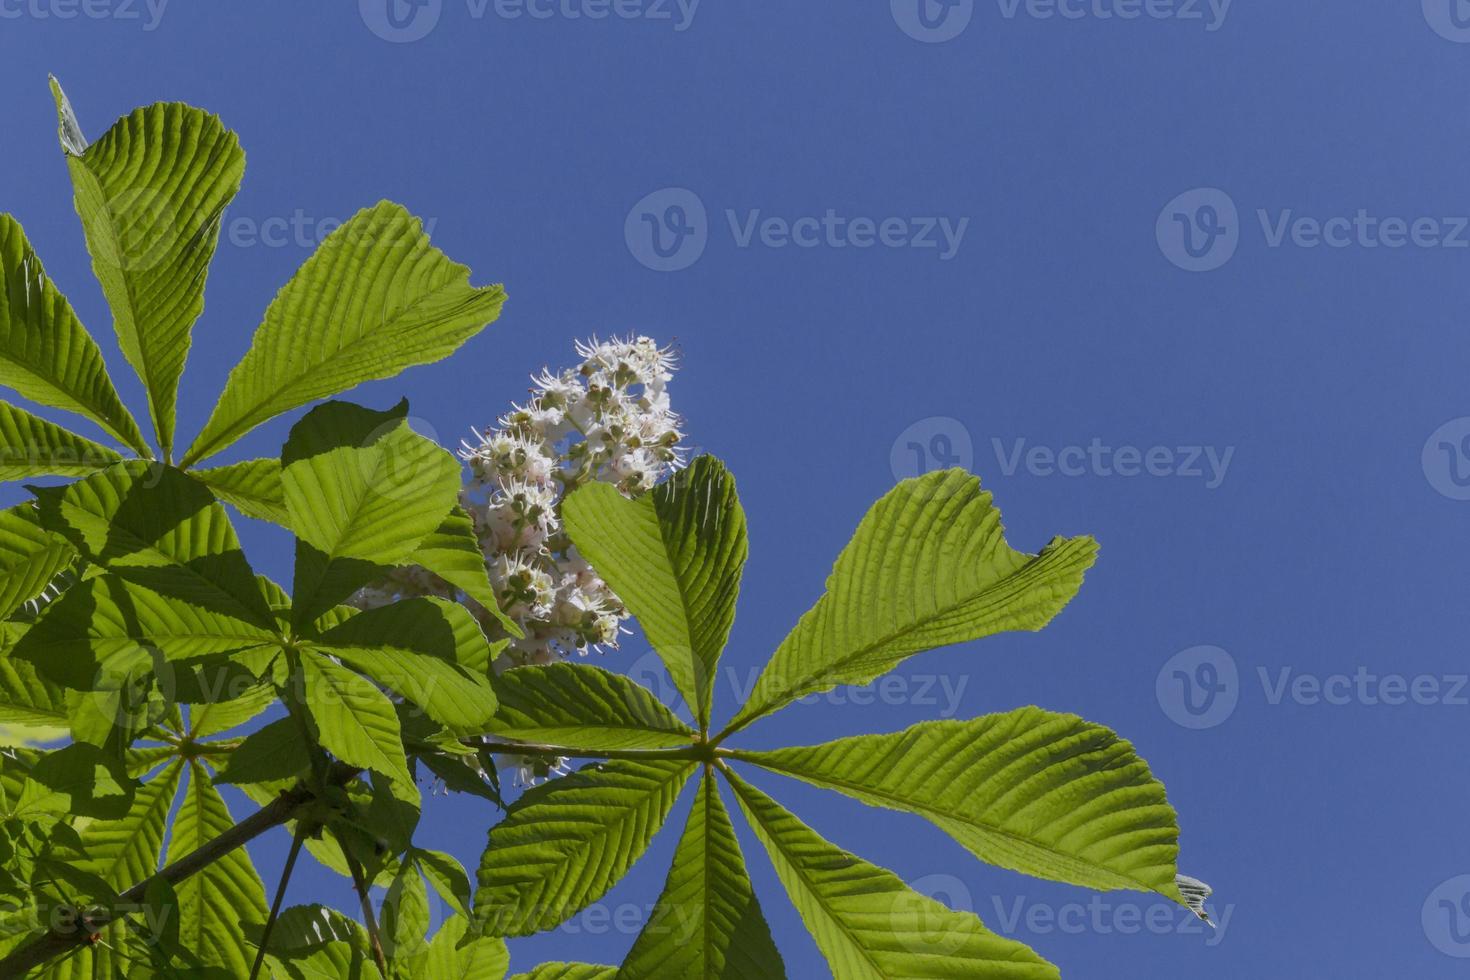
[
  {"x": 701, "y": 752},
  {"x": 265, "y": 934},
  {"x": 58, "y": 940},
  {"x": 359, "y": 882}
]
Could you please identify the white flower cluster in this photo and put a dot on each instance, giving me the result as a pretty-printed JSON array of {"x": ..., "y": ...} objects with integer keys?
[{"x": 606, "y": 420}]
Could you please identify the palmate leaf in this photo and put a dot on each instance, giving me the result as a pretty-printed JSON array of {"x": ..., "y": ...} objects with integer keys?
[
  {"x": 375, "y": 298},
  {"x": 581, "y": 706},
  {"x": 927, "y": 567},
  {"x": 252, "y": 487},
  {"x": 150, "y": 193},
  {"x": 362, "y": 491},
  {"x": 566, "y": 842},
  {"x": 30, "y": 557},
  {"x": 354, "y": 720},
  {"x": 45, "y": 352},
  {"x": 218, "y": 903},
  {"x": 428, "y": 650},
  {"x": 674, "y": 556},
  {"x": 154, "y": 526},
  {"x": 32, "y": 446},
  {"x": 1046, "y": 794},
  {"x": 707, "y": 923},
  {"x": 867, "y": 922}
]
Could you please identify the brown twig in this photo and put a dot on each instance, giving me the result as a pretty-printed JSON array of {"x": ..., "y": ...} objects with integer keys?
[
  {"x": 270, "y": 922},
  {"x": 359, "y": 882},
  {"x": 58, "y": 940}
]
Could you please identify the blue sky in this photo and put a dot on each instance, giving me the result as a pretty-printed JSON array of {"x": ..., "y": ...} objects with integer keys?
[{"x": 1192, "y": 281}]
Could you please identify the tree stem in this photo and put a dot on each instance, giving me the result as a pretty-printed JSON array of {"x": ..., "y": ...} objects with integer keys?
[
  {"x": 702, "y": 752},
  {"x": 58, "y": 940},
  {"x": 270, "y": 923},
  {"x": 359, "y": 882}
]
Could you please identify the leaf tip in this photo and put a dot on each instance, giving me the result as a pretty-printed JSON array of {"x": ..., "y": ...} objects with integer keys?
[{"x": 73, "y": 142}]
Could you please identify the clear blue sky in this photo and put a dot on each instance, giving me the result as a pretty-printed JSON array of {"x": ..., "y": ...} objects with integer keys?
[{"x": 1066, "y": 158}]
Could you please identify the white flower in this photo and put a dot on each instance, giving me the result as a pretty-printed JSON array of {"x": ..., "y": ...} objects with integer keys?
[{"x": 608, "y": 419}]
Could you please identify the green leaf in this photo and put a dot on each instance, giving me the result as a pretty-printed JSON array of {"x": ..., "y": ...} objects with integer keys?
[
  {"x": 31, "y": 446},
  {"x": 28, "y": 700},
  {"x": 125, "y": 852},
  {"x": 362, "y": 490},
  {"x": 151, "y": 192},
  {"x": 580, "y": 706},
  {"x": 707, "y": 922},
  {"x": 232, "y": 707},
  {"x": 334, "y": 961},
  {"x": 674, "y": 556},
  {"x": 566, "y": 842},
  {"x": 450, "y": 957},
  {"x": 217, "y": 903},
  {"x": 79, "y": 780},
  {"x": 102, "y": 630},
  {"x": 569, "y": 971},
  {"x": 354, "y": 720},
  {"x": 866, "y": 921},
  {"x": 927, "y": 567},
  {"x": 252, "y": 487},
  {"x": 273, "y": 752},
  {"x": 404, "y": 916},
  {"x": 447, "y": 876},
  {"x": 375, "y": 298},
  {"x": 306, "y": 927},
  {"x": 428, "y": 650},
  {"x": 453, "y": 553},
  {"x": 30, "y": 557},
  {"x": 1045, "y": 794},
  {"x": 45, "y": 352},
  {"x": 156, "y": 527}
]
